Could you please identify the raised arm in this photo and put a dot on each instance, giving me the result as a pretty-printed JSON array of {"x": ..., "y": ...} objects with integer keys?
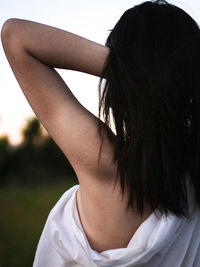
[{"x": 33, "y": 50}]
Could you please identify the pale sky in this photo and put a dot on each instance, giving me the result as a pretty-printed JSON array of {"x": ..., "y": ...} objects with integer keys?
[{"x": 88, "y": 18}]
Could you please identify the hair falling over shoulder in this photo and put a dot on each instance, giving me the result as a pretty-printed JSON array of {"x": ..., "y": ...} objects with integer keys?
[{"x": 151, "y": 92}]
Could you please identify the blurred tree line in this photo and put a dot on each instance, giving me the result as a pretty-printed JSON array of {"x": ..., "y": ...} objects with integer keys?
[{"x": 36, "y": 160}]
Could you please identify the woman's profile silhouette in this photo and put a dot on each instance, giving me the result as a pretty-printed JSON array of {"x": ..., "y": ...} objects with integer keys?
[{"x": 137, "y": 201}]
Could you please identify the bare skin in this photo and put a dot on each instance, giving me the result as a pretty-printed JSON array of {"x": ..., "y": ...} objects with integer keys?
[{"x": 33, "y": 51}]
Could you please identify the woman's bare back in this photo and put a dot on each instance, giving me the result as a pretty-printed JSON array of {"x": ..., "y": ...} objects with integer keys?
[{"x": 104, "y": 218}]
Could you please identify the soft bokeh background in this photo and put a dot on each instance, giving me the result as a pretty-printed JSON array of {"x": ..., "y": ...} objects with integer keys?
[{"x": 33, "y": 171}]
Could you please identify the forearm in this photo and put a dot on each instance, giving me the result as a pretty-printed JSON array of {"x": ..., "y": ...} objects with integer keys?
[{"x": 55, "y": 47}]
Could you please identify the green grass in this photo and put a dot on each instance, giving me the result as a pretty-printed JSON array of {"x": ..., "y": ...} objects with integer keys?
[{"x": 23, "y": 212}]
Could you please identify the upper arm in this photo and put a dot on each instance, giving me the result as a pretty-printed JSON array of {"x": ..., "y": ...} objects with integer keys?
[{"x": 75, "y": 130}]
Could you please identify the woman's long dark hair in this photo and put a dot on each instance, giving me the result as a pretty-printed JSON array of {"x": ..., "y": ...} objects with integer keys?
[{"x": 150, "y": 87}]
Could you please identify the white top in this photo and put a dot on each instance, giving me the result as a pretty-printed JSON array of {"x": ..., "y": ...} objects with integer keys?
[{"x": 159, "y": 241}]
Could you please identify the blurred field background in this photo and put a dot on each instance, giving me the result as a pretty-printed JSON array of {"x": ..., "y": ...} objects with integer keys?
[{"x": 33, "y": 176}]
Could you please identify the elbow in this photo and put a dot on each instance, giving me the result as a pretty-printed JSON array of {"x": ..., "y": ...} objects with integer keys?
[
  {"x": 9, "y": 31},
  {"x": 6, "y": 30}
]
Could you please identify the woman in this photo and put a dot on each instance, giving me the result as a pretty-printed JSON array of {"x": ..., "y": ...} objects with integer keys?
[{"x": 138, "y": 199}]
